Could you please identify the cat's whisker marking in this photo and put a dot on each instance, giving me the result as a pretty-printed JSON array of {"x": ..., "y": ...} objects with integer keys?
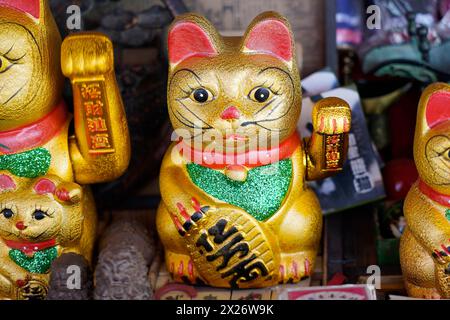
[
  {"x": 192, "y": 125},
  {"x": 275, "y": 108},
  {"x": 264, "y": 107},
  {"x": 191, "y": 112},
  {"x": 14, "y": 95}
]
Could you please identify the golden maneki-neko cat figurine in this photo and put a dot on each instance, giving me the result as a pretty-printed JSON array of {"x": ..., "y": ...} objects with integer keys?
[
  {"x": 235, "y": 213},
  {"x": 425, "y": 244},
  {"x": 35, "y": 142}
]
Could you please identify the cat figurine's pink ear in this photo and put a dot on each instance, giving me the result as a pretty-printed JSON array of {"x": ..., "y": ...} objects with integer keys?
[
  {"x": 270, "y": 34},
  {"x": 6, "y": 183},
  {"x": 31, "y": 7},
  {"x": 438, "y": 108},
  {"x": 193, "y": 37},
  {"x": 61, "y": 192}
]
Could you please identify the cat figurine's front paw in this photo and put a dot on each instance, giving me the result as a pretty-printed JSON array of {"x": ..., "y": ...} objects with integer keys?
[
  {"x": 182, "y": 268},
  {"x": 332, "y": 116},
  {"x": 294, "y": 268}
]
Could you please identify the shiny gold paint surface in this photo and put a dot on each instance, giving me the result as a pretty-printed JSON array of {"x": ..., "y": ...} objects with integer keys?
[
  {"x": 288, "y": 241},
  {"x": 31, "y": 81},
  {"x": 428, "y": 229}
]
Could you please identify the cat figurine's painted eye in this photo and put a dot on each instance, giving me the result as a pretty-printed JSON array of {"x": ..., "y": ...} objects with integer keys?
[
  {"x": 202, "y": 95},
  {"x": 260, "y": 94},
  {"x": 7, "y": 213},
  {"x": 39, "y": 215}
]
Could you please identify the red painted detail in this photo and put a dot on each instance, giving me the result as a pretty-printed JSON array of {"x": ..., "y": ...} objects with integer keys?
[
  {"x": 334, "y": 125},
  {"x": 62, "y": 194},
  {"x": 30, "y": 248},
  {"x": 183, "y": 211},
  {"x": 44, "y": 186},
  {"x": 322, "y": 124},
  {"x": 178, "y": 224},
  {"x": 440, "y": 198},
  {"x": 337, "y": 279},
  {"x": 236, "y": 168},
  {"x": 295, "y": 269},
  {"x": 249, "y": 159},
  {"x": 346, "y": 125},
  {"x": 6, "y": 183},
  {"x": 191, "y": 270},
  {"x": 438, "y": 108},
  {"x": 21, "y": 226},
  {"x": 231, "y": 113},
  {"x": 196, "y": 205},
  {"x": 175, "y": 287},
  {"x": 271, "y": 37},
  {"x": 36, "y": 134},
  {"x": 445, "y": 249},
  {"x": 187, "y": 39},
  {"x": 21, "y": 283},
  {"x": 27, "y": 6},
  {"x": 307, "y": 267},
  {"x": 181, "y": 268},
  {"x": 438, "y": 253}
]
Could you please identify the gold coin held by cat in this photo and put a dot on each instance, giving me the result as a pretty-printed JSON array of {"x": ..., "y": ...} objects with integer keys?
[{"x": 233, "y": 250}]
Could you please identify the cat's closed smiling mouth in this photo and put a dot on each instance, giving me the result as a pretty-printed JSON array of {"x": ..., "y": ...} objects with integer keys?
[{"x": 236, "y": 137}]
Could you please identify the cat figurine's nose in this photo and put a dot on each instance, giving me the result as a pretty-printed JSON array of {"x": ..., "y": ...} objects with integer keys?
[
  {"x": 231, "y": 113},
  {"x": 20, "y": 225}
]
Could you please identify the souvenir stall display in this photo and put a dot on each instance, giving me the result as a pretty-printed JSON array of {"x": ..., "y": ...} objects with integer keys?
[{"x": 224, "y": 150}]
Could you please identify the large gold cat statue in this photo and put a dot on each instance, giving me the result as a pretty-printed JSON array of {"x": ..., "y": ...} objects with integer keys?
[
  {"x": 236, "y": 211},
  {"x": 425, "y": 244},
  {"x": 34, "y": 121}
]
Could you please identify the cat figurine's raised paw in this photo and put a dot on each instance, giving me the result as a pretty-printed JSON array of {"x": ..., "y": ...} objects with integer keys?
[{"x": 236, "y": 211}]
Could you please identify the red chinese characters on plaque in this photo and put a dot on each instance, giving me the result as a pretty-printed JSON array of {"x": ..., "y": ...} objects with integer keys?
[
  {"x": 96, "y": 117},
  {"x": 333, "y": 151}
]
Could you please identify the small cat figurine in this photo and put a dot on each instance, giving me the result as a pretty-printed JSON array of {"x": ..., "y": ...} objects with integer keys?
[
  {"x": 235, "y": 213},
  {"x": 40, "y": 219},
  {"x": 425, "y": 244}
]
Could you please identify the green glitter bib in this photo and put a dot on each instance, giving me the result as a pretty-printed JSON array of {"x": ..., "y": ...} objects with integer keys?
[
  {"x": 39, "y": 263},
  {"x": 261, "y": 195},
  {"x": 447, "y": 214},
  {"x": 29, "y": 164}
]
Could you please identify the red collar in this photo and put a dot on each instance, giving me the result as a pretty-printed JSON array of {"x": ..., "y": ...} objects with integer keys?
[
  {"x": 250, "y": 159},
  {"x": 434, "y": 195},
  {"x": 30, "y": 248},
  {"x": 36, "y": 134}
]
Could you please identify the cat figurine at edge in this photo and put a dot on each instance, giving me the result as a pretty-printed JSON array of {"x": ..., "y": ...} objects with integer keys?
[
  {"x": 425, "y": 243},
  {"x": 35, "y": 139}
]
